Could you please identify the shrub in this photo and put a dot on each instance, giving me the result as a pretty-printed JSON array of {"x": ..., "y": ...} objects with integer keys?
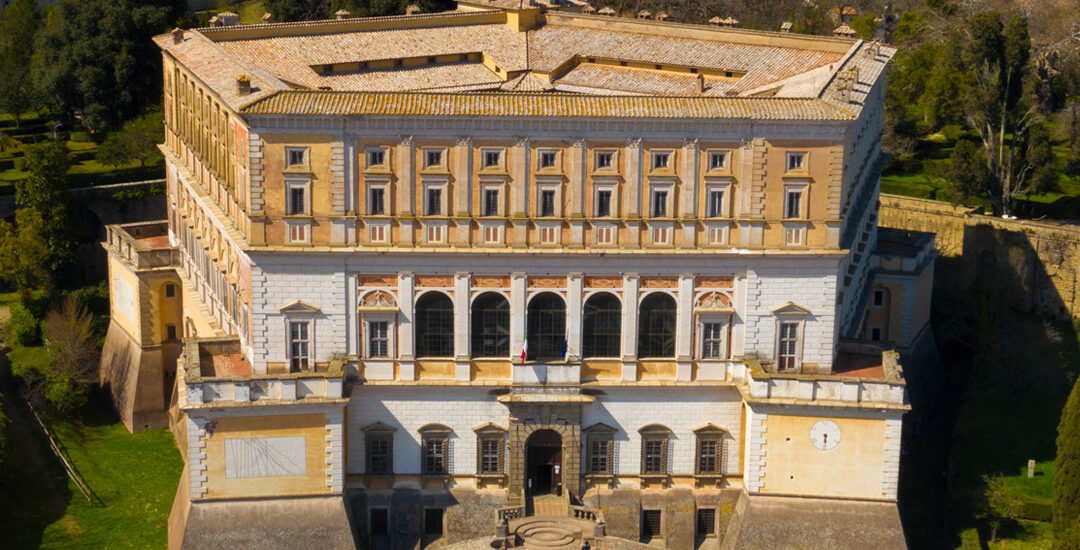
[
  {"x": 1067, "y": 473},
  {"x": 25, "y": 328},
  {"x": 1036, "y": 510}
]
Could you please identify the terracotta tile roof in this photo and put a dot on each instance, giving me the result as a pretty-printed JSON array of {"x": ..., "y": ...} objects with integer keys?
[
  {"x": 607, "y": 79},
  {"x": 292, "y": 56},
  {"x": 218, "y": 70},
  {"x": 527, "y": 82},
  {"x": 451, "y": 76},
  {"x": 299, "y": 102},
  {"x": 552, "y": 45}
]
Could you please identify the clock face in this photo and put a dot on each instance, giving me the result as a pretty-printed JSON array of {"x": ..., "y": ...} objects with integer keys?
[{"x": 825, "y": 435}]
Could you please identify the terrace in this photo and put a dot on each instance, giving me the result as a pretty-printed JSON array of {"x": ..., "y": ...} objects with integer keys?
[{"x": 142, "y": 245}]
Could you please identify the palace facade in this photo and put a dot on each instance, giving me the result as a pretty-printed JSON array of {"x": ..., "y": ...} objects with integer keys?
[{"x": 517, "y": 274}]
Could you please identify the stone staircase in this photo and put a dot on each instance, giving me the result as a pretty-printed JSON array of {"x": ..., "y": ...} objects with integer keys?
[
  {"x": 549, "y": 505},
  {"x": 547, "y": 522},
  {"x": 545, "y": 533}
]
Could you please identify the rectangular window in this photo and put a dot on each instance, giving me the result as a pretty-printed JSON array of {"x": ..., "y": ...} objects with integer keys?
[
  {"x": 379, "y": 449},
  {"x": 661, "y": 235},
  {"x": 299, "y": 346},
  {"x": 491, "y": 455},
  {"x": 377, "y": 233},
  {"x": 298, "y": 232},
  {"x": 793, "y": 204},
  {"x": 433, "y": 207},
  {"x": 605, "y": 235},
  {"x": 547, "y": 159},
  {"x": 875, "y": 334},
  {"x": 659, "y": 204},
  {"x": 491, "y": 202},
  {"x": 716, "y": 203},
  {"x": 376, "y": 158},
  {"x": 789, "y": 340},
  {"x": 295, "y": 156},
  {"x": 170, "y": 333},
  {"x": 706, "y": 522},
  {"x": 650, "y": 525},
  {"x": 653, "y": 459},
  {"x": 170, "y": 290},
  {"x": 380, "y": 522},
  {"x": 547, "y": 203},
  {"x": 433, "y": 522},
  {"x": 377, "y": 202},
  {"x": 432, "y": 158},
  {"x": 660, "y": 160},
  {"x": 492, "y": 234},
  {"x": 435, "y": 234},
  {"x": 795, "y": 161},
  {"x": 600, "y": 455},
  {"x": 603, "y": 160},
  {"x": 717, "y": 160},
  {"x": 708, "y": 459},
  {"x": 379, "y": 339},
  {"x": 794, "y": 236},
  {"x": 297, "y": 199},
  {"x": 712, "y": 341},
  {"x": 549, "y": 235},
  {"x": 879, "y": 297},
  {"x": 603, "y": 203},
  {"x": 491, "y": 159},
  {"x": 435, "y": 455}
]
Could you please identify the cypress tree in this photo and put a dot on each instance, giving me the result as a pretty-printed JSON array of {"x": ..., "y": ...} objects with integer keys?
[{"x": 1067, "y": 475}]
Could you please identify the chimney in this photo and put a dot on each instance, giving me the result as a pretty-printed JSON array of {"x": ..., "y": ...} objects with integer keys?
[
  {"x": 177, "y": 35},
  {"x": 644, "y": 14},
  {"x": 412, "y": 9},
  {"x": 243, "y": 86},
  {"x": 872, "y": 49},
  {"x": 341, "y": 14},
  {"x": 268, "y": 17},
  {"x": 844, "y": 91},
  {"x": 228, "y": 19},
  {"x": 786, "y": 27},
  {"x": 662, "y": 16},
  {"x": 701, "y": 83},
  {"x": 715, "y": 21}
]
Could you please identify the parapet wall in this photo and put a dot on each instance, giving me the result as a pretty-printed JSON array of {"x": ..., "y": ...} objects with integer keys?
[{"x": 1036, "y": 262}]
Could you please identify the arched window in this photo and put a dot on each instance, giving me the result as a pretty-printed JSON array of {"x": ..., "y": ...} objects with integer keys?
[
  {"x": 434, "y": 326},
  {"x": 491, "y": 326},
  {"x": 656, "y": 326},
  {"x": 546, "y": 328},
  {"x": 601, "y": 324}
]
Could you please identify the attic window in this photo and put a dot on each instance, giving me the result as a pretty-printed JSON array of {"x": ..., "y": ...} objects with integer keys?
[
  {"x": 728, "y": 74},
  {"x": 431, "y": 59}
]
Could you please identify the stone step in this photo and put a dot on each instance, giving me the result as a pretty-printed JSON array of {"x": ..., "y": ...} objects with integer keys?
[{"x": 549, "y": 533}]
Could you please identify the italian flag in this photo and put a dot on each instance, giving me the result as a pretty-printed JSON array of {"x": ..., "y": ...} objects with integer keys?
[{"x": 524, "y": 347}]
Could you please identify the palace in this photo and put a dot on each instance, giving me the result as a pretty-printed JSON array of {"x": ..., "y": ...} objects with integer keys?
[{"x": 518, "y": 275}]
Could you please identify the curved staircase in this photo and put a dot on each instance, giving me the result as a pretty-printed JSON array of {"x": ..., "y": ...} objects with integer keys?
[{"x": 545, "y": 533}]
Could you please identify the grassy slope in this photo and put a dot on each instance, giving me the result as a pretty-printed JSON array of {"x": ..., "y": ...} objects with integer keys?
[{"x": 135, "y": 476}]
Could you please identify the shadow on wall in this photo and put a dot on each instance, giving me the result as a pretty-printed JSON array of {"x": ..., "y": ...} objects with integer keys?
[{"x": 1003, "y": 297}]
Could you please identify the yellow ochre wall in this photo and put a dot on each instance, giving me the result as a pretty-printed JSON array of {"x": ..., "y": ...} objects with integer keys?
[
  {"x": 118, "y": 270},
  {"x": 311, "y": 426},
  {"x": 852, "y": 469}
]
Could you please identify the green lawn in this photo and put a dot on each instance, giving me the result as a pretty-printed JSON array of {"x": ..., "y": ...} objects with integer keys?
[
  {"x": 1026, "y": 535},
  {"x": 134, "y": 476}
]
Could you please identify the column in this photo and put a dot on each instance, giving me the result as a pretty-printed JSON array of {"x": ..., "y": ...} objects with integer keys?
[
  {"x": 519, "y": 191},
  {"x": 406, "y": 183},
  {"x": 631, "y": 283},
  {"x": 632, "y": 192},
  {"x": 575, "y": 288},
  {"x": 405, "y": 341},
  {"x": 517, "y": 314},
  {"x": 463, "y": 188},
  {"x": 684, "y": 328},
  {"x": 462, "y": 326},
  {"x": 689, "y": 192},
  {"x": 576, "y": 190}
]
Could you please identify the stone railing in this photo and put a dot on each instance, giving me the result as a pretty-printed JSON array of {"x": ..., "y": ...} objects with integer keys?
[
  {"x": 198, "y": 389},
  {"x": 125, "y": 241},
  {"x": 794, "y": 387},
  {"x": 586, "y": 513}
]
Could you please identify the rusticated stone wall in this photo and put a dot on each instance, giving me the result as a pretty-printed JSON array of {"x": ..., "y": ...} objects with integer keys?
[{"x": 1035, "y": 263}]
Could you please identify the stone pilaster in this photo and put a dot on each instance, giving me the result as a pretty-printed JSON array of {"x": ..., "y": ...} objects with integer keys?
[
  {"x": 519, "y": 190},
  {"x": 562, "y": 418},
  {"x": 576, "y": 174},
  {"x": 517, "y": 313},
  {"x": 684, "y": 328},
  {"x": 463, "y": 188},
  {"x": 406, "y": 188},
  {"x": 406, "y": 353},
  {"x": 631, "y": 284},
  {"x": 461, "y": 326},
  {"x": 689, "y": 192},
  {"x": 575, "y": 289}
]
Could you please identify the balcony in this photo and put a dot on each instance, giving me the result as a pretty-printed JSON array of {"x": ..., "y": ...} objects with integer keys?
[
  {"x": 214, "y": 372},
  {"x": 861, "y": 380},
  {"x": 142, "y": 245}
]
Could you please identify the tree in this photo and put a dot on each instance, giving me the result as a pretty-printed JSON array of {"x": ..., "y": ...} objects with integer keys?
[
  {"x": 136, "y": 141},
  {"x": 298, "y": 10},
  {"x": 96, "y": 57},
  {"x": 18, "y": 23},
  {"x": 73, "y": 355},
  {"x": 24, "y": 253},
  {"x": 864, "y": 26},
  {"x": 1066, "y": 507},
  {"x": 966, "y": 173},
  {"x": 997, "y": 110},
  {"x": 1001, "y": 505},
  {"x": 48, "y": 164}
]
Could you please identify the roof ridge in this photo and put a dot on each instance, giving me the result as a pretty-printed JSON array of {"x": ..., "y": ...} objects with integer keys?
[{"x": 334, "y": 22}]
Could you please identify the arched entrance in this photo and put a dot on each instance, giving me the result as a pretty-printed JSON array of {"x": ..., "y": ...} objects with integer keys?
[{"x": 543, "y": 463}]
